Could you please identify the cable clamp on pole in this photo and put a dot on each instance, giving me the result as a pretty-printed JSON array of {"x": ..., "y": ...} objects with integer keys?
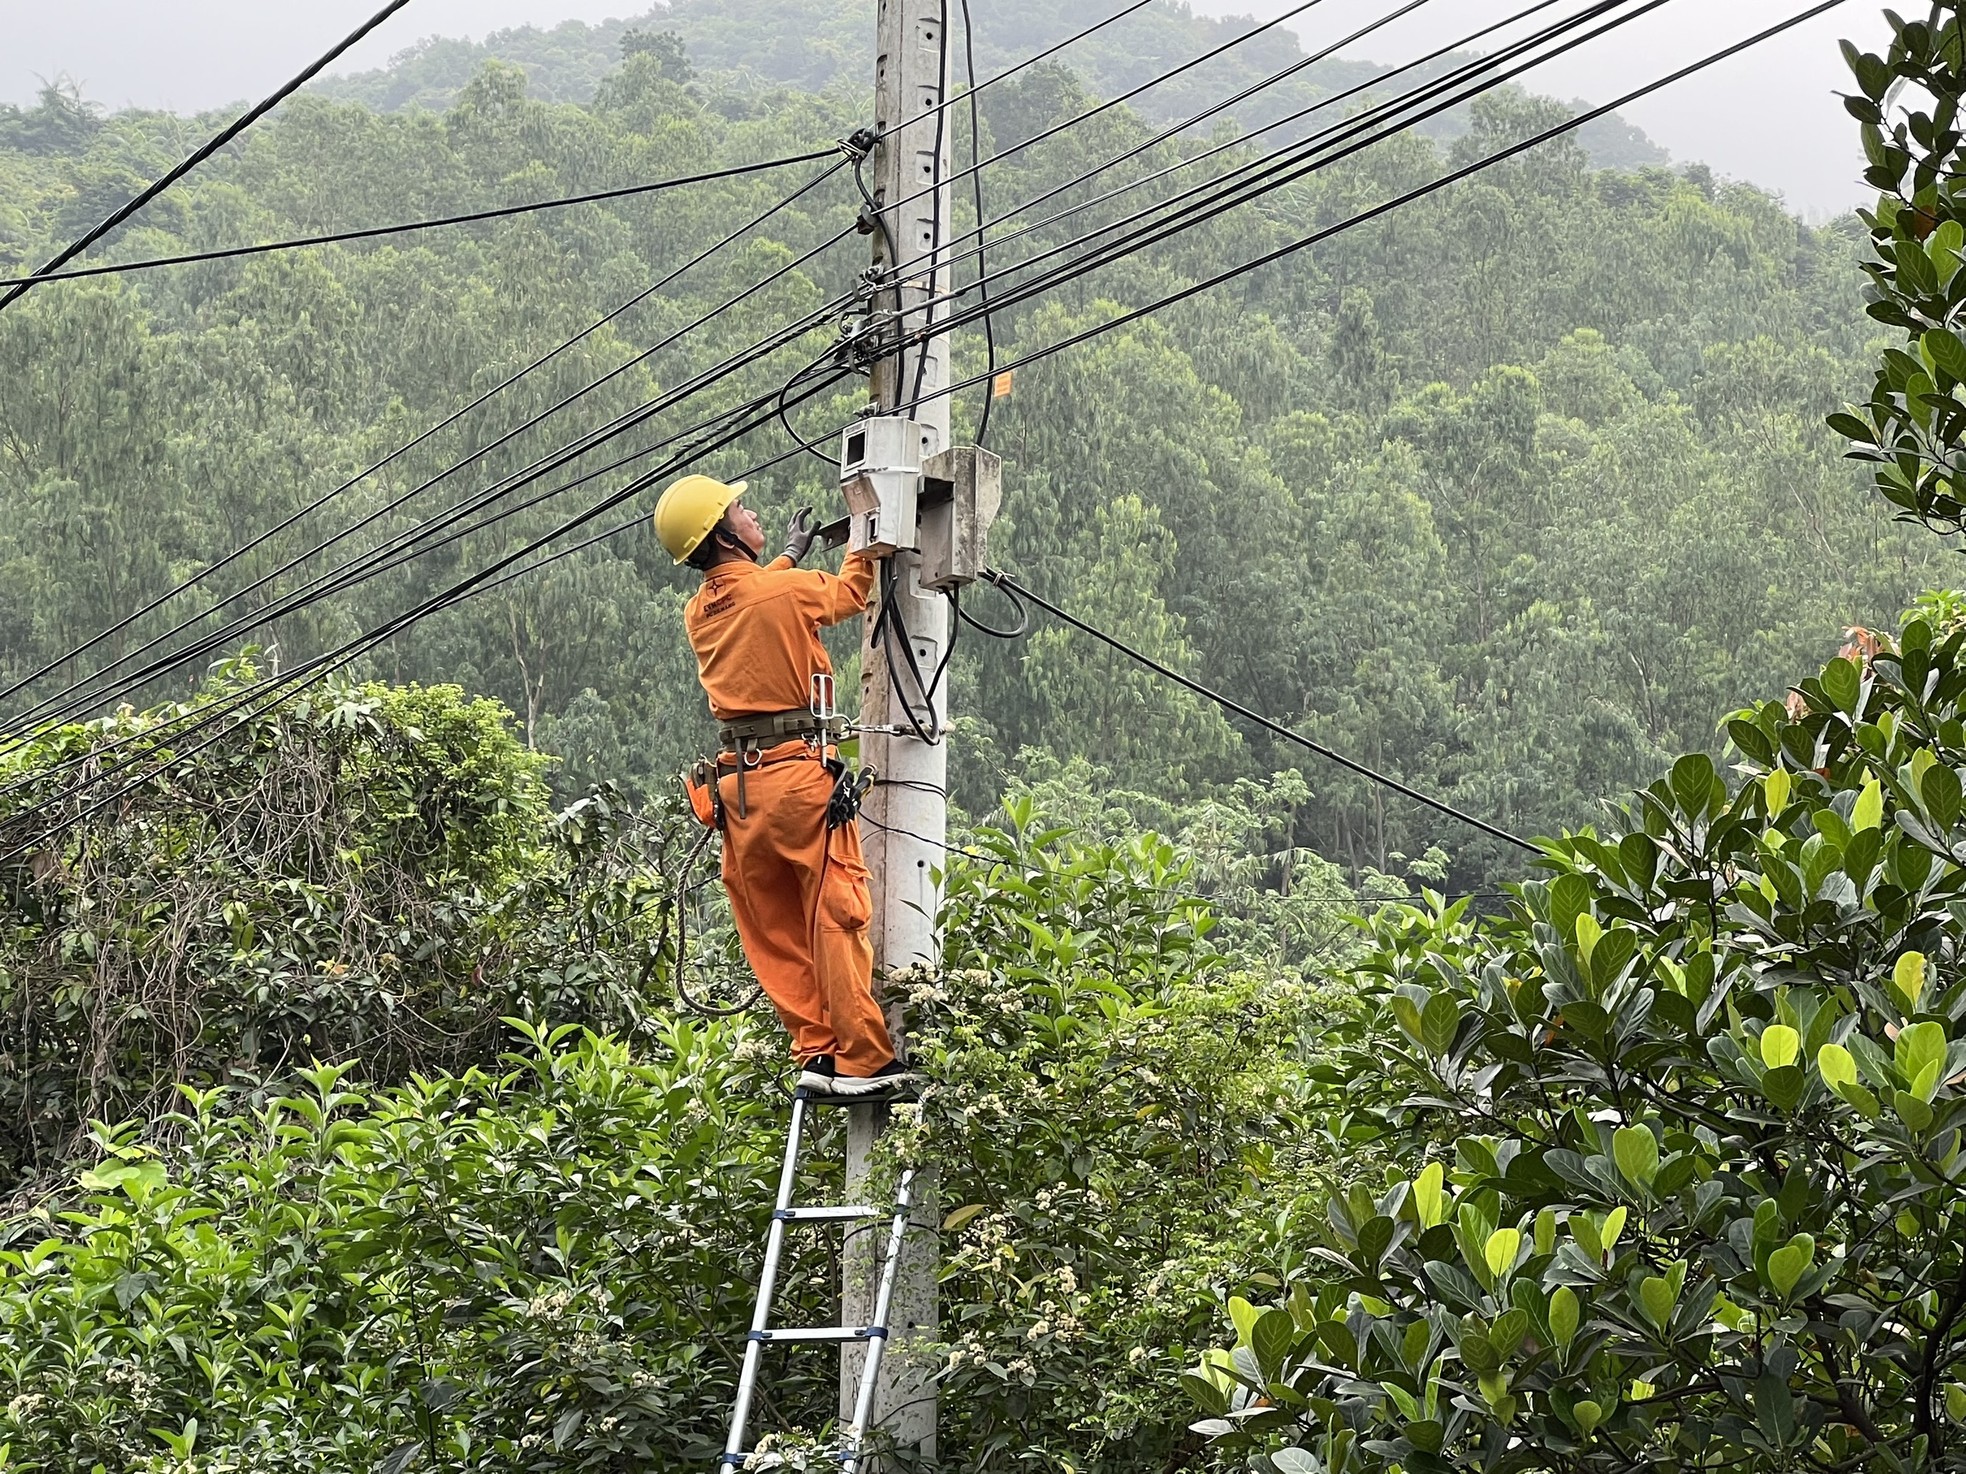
[{"x": 859, "y": 143}]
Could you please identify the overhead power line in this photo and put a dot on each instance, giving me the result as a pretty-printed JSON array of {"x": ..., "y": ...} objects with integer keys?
[
  {"x": 231, "y": 557},
  {"x": 373, "y": 232},
  {"x": 1280, "y": 253},
  {"x": 1371, "y": 84},
  {"x": 1263, "y": 175},
  {"x": 1275, "y": 728},
  {"x": 1379, "y": 211},
  {"x": 238, "y": 126},
  {"x": 55, "y": 703},
  {"x": 513, "y": 564}
]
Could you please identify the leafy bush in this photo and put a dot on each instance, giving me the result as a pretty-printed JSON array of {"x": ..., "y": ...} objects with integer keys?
[
  {"x": 550, "y": 1265},
  {"x": 1679, "y": 1178},
  {"x": 546, "y": 1268},
  {"x": 1107, "y": 1085},
  {"x": 369, "y": 871}
]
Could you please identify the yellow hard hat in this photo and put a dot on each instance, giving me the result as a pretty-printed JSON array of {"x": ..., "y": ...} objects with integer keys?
[{"x": 689, "y": 510}]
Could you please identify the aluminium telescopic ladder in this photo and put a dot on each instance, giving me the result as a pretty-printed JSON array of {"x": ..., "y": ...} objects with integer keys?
[{"x": 874, "y": 1334}]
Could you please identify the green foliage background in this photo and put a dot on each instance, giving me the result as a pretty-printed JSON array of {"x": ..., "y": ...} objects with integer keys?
[
  {"x": 1515, "y": 494},
  {"x": 1527, "y": 482}
]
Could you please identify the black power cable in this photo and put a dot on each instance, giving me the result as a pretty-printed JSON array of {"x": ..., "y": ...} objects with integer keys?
[
  {"x": 1236, "y": 708},
  {"x": 220, "y": 140},
  {"x": 856, "y": 152},
  {"x": 279, "y": 688},
  {"x": 1263, "y": 175},
  {"x": 982, "y": 268},
  {"x": 1280, "y": 253},
  {"x": 77, "y": 690},
  {"x": 259, "y": 539},
  {"x": 514, "y": 565},
  {"x": 1371, "y": 84},
  {"x": 1030, "y": 61},
  {"x": 1015, "y": 632},
  {"x": 1399, "y": 202},
  {"x": 373, "y": 232},
  {"x": 935, "y": 219}
]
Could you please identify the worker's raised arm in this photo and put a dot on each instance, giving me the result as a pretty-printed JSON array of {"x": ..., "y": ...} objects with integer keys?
[{"x": 838, "y": 597}]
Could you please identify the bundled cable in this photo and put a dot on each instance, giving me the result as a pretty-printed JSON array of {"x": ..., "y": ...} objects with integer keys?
[
  {"x": 43, "y": 711},
  {"x": 522, "y": 561}
]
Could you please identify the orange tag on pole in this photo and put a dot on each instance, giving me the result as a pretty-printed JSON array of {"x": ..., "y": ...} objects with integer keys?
[{"x": 1004, "y": 382}]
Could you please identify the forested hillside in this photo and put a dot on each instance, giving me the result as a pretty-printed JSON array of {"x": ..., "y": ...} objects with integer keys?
[
  {"x": 1512, "y": 493},
  {"x": 815, "y": 45}
]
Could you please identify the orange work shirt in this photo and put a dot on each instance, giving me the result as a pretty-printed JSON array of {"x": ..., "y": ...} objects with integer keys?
[{"x": 756, "y": 629}]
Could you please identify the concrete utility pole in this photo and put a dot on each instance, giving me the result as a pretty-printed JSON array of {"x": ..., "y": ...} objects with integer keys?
[{"x": 911, "y": 81}]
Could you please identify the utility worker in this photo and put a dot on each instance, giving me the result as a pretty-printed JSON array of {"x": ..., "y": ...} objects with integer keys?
[{"x": 792, "y": 863}]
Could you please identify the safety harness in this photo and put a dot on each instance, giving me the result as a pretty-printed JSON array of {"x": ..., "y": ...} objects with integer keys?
[{"x": 748, "y": 743}]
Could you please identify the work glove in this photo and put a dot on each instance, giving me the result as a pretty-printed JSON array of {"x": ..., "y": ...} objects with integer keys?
[{"x": 798, "y": 539}]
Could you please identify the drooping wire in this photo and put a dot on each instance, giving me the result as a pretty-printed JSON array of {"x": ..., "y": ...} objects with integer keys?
[
  {"x": 260, "y": 539},
  {"x": 1015, "y": 632},
  {"x": 680, "y": 903},
  {"x": 374, "y": 232},
  {"x": 224, "y": 136},
  {"x": 982, "y": 268},
  {"x": 1275, "y": 728},
  {"x": 515, "y": 565}
]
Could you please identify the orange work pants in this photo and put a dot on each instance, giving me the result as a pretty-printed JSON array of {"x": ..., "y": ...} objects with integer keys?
[{"x": 799, "y": 894}]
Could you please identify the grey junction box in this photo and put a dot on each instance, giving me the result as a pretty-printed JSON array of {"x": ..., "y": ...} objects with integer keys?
[{"x": 962, "y": 490}]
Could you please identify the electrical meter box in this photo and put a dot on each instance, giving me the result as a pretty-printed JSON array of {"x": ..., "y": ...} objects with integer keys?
[{"x": 881, "y": 477}]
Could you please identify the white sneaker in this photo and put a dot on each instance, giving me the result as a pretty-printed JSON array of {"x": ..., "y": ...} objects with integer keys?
[
  {"x": 890, "y": 1079},
  {"x": 816, "y": 1075}
]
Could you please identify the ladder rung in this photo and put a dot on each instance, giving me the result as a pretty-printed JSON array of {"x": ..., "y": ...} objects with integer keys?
[
  {"x": 908, "y": 1090},
  {"x": 823, "y": 1333},
  {"x": 829, "y": 1215}
]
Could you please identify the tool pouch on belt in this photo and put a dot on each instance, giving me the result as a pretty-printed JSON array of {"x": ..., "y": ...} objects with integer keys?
[
  {"x": 700, "y": 785},
  {"x": 849, "y": 790}
]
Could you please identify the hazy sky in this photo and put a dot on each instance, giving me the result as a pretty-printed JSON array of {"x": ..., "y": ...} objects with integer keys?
[{"x": 1770, "y": 116}]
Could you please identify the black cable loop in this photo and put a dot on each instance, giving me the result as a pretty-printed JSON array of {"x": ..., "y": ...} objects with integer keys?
[
  {"x": 1022, "y": 628},
  {"x": 785, "y": 415},
  {"x": 680, "y": 905},
  {"x": 887, "y": 622}
]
